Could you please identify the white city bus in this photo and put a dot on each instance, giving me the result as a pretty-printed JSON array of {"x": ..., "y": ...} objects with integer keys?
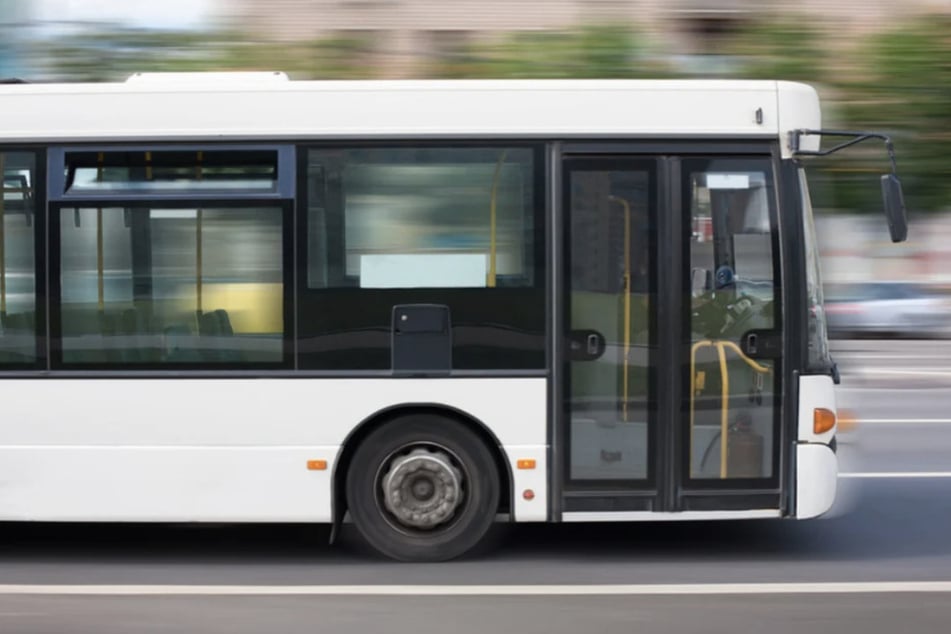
[{"x": 419, "y": 306}]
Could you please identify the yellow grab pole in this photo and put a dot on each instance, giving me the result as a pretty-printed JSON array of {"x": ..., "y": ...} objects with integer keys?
[
  {"x": 493, "y": 202},
  {"x": 724, "y": 409},
  {"x": 693, "y": 390},
  {"x": 198, "y": 230},
  {"x": 627, "y": 301},
  {"x": 100, "y": 264},
  {"x": 3, "y": 238}
]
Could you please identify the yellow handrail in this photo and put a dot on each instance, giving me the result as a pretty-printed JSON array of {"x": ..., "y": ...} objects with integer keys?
[
  {"x": 627, "y": 301},
  {"x": 100, "y": 258},
  {"x": 3, "y": 239},
  {"x": 721, "y": 346},
  {"x": 198, "y": 232},
  {"x": 493, "y": 201}
]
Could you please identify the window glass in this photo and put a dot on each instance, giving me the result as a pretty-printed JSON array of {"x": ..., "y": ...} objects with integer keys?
[
  {"x": 17, "y": 261},
  {"x": 157, "y": 170},
  {"x": 418, "y": 218},
  {"x": 819, "y": 356},
  {"x": 461, "y": 227},
  {"x": 160, "y": 286},
  {"x": 734, "y": 291}
]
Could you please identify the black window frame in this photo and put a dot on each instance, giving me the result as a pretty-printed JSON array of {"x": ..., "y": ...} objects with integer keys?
[{"x": 57, "y": 170}]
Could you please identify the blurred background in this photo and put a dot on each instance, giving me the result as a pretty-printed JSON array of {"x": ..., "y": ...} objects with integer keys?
[{"x": 879, "y": 64}]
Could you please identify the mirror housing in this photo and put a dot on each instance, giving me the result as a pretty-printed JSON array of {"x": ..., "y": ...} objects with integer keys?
[
  {"x": 891, "y": 187},
  {"x": 894, "y": 202}
]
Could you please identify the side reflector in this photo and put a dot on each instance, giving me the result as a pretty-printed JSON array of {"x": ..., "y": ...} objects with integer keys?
[
  {"x": 528, "y": 494},
  {"x": 526, "y": 463},
  {"x": 822, "y": 420},
  {"x": 316, "y": 465}
]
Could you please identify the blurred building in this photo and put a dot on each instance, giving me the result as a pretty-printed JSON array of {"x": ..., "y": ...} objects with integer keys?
[{"x": 402, "y": 35}]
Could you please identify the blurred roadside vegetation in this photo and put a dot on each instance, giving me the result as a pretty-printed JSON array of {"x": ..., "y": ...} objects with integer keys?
[{"x": 897, "y": 80}]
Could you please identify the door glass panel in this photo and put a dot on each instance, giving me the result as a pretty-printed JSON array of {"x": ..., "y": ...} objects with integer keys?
[
  {"x": 733, "y": 295},
  {"x": 611, "y": 279},
  {"x": 17, "y": 261}
]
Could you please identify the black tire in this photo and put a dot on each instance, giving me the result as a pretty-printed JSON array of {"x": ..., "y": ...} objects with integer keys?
[{"x": 472, "y": 462}]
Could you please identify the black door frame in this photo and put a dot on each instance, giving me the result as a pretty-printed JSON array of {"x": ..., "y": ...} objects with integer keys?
[{"x": 669, "y": 494}]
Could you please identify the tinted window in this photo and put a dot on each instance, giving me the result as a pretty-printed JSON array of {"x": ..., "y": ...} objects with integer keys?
[
  {"x": 459, "y": 226},
  {"x": 171, "y": 170},
  {"x": 162, "y": 286},
  {"x": 17, "y": 262}
]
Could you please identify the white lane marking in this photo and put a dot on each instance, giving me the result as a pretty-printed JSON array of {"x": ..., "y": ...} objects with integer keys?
[
  {"x": 899, "y": 421},
  {"x": 902, "y": 372},
  {"x": 856, "y": 356},
  {"x": 897, "y": 474},
  {"x": 484, "y": 590}
]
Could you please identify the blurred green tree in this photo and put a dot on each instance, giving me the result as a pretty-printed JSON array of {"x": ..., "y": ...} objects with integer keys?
[
  {"x": 591, "y": 52},
  {"x": 113, "y": 55},
  {"x": 904, "y": 87}
]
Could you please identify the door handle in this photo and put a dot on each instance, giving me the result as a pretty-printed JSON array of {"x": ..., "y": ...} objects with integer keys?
[
  {"x": 593, "y": 344},
  {"x": 751, "y": 344}
]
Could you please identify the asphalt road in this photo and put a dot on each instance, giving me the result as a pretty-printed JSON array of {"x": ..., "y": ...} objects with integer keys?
[{"x": 892, "y": 525}]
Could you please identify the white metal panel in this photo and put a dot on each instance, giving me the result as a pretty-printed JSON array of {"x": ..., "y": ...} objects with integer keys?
[
  {"x": 652, "y": 516},
  {"x": 816, "y": 478},
  {"x": 798, "y": 106},
  {"x": 142, "y": 110},
  {"x": 536, "y": 480},
  {"x": 815, "y": 392},
  {"x": 250, "y": 412},
  {"x": 226, "y": 450},
  {"x": 169, "y": 484}
]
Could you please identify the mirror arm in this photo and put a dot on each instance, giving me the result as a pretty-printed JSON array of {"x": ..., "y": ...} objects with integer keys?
[{"x": 857, "y": 137}]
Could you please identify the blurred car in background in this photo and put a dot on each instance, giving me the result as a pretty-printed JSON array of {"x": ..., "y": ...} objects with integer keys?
[{"x": 903, "y": 309}]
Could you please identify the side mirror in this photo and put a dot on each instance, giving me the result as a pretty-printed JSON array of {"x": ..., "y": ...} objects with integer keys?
[{"x": 894, "y": 208}]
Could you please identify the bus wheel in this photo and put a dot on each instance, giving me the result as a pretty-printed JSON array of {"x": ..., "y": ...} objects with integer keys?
[{"x": 422, "y": 488}]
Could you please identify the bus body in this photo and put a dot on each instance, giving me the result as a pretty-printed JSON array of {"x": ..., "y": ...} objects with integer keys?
[{"x": 418, "y": 306}]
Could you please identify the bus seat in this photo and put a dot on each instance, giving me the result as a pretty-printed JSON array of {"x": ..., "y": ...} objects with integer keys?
[
  {"x": 216, "y": 326},
  {"x": 136, "y": 340}
]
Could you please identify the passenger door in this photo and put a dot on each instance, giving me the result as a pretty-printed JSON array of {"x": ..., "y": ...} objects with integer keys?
[{"x": 672, "y": 341}]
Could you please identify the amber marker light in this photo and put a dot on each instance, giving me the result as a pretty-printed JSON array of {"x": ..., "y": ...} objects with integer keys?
[
  {"x": 316, "y": 465},
  {"x": 823, "y": 420},
  {"x": 526, "y": 463}
]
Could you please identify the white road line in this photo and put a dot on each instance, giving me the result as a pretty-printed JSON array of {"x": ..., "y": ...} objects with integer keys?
[
  {"x": 861, "y": 356},
  {"x": 897, "y": 474},
  {"x": 899, "y": 421},
  {"x": 902, "y": 372},
  {"x": 484, "y": 590}
]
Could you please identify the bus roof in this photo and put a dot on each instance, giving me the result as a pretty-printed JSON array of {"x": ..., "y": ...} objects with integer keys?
[{"x": 258, "y": 107}]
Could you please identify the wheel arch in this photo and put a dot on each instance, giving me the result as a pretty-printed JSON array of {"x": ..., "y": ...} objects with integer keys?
[{"x": 392, "y": 413}]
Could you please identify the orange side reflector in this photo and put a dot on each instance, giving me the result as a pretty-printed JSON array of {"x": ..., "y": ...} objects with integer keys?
[
  {"x": 316, "y": 465},
  {"x": 526, "y": 463},
  {"x": 823, "y": 420}
]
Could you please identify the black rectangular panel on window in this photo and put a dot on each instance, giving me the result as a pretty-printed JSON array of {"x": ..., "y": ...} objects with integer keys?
[
  {"x": 172, "y": 285},
  {"x": 460, "y": 226},
  {"x": 18, "y": 279}
]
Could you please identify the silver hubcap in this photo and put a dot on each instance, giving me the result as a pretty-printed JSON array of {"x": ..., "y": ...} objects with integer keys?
[{"x": 422, "y": 489}]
